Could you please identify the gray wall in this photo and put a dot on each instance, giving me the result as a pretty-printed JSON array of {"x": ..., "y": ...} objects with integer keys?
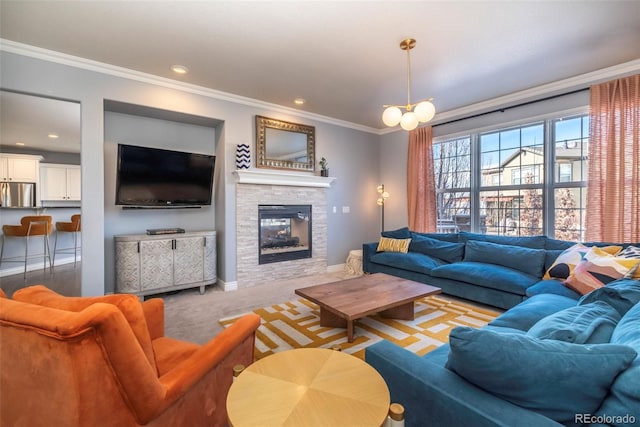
[{"x": 353, "y": 155}]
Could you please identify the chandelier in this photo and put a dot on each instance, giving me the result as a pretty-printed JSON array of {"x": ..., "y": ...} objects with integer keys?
[{"x": 423, "y": 111}]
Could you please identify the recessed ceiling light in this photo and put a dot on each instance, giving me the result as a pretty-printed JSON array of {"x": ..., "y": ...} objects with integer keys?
[
  {"x": 179, "y": 69},
  {"x": 20, "y": 143},
  {"x": 299, "y": 101},
  {"x": 53, "y": 136}
]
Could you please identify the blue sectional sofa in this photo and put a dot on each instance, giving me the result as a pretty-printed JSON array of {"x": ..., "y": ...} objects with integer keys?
[
  {"x": 501, "y": 271},
  {"x": 551, "y": 360}
]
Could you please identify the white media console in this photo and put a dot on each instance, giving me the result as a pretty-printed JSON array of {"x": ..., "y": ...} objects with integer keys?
[{"x": 152, "y": 264}]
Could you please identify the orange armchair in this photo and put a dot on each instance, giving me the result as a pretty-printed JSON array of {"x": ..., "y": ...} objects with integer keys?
[{"x": 104, "y": 361}]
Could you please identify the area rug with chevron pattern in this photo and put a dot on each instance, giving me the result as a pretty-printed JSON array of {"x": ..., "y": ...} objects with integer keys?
[{"x": 296, "y": 324}]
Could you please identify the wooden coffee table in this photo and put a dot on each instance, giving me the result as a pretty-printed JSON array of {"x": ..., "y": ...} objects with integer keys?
[
  {"x": 344, "y": 301},
  {"x": 308, "y": 387}
]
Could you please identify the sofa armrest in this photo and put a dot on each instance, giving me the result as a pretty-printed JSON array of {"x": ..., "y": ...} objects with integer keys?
[
  {"x": 368, "y": 250},
  {"x": 435, "y": 396},
  {"x": 153, "y": 310}
]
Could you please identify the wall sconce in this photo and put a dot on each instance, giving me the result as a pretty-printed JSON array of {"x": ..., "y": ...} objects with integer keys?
[{"x": 383, "y": 196}]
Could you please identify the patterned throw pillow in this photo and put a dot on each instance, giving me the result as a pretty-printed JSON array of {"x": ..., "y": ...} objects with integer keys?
[
  {"x": 566, "y": 262},
  {"x": 632, "y": 252},
  {"x": 387, "y": 244},
  {"x": 597, "y": 269}
]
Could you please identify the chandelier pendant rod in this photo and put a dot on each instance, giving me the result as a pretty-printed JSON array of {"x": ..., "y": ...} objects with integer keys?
[{"x": 409, "y": 47}]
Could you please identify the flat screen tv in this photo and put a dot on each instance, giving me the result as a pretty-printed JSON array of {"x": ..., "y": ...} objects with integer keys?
[{"x": 152, "y": 177}]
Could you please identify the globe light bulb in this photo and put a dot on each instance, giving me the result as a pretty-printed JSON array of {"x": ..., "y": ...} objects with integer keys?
[
  {"x": 425, "y": 111},
  {"x": 385, "y": 195},
  {"x": 409, "y": 121},
  {"x": 391, "y": 116},
  {"x": 380, "y": 202}
]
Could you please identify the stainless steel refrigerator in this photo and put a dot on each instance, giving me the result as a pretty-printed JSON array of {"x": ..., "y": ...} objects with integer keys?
[{"x": 17, "y": 194}]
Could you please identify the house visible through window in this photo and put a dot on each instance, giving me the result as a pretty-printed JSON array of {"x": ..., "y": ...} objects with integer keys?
[{"x": 514, "y": 194}]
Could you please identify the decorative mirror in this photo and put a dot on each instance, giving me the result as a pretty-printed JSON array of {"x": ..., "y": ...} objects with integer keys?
[{"x": 285, "y": 145}]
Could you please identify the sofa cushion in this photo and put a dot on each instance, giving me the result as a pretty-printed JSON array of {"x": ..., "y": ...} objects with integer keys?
[
  {"x": 486, "y": 275},
  {"x": 527, "y": 260},
  {"x": 554, "y": 378},
  {"x": 552, "y": 286},
  {"x": 411, "y": 261},
  {"x": 621, "y": 294},
  {"x": 597, "y": 269},
  {"x": 400, "y": 233},
  {"x": 567, "y": 260},
  {"x": 624, "y": 397},
  {"x": 445, "y": 237},
  {"x": 583, "y": 324},
  {"x": 387, "y": 244},
  {"x": 524, "y": 315},
  {"x": 451, "y": 252},
  {"x": 534, "y": 242}
]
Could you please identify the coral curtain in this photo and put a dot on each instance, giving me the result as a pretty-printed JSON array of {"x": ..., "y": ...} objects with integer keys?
[
  {"x": 421, "y": 187},
  {"x": 613, "y": 192}
]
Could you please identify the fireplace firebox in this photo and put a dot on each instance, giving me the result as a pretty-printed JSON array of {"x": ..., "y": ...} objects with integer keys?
[{"x": 284, "y": 232}]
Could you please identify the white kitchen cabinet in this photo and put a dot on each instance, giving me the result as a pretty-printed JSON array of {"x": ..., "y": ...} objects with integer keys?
[
  {"x": 153, "y": 264},
  {"x": 60, "y": 182},
  {"x": 19, "y": 168}
]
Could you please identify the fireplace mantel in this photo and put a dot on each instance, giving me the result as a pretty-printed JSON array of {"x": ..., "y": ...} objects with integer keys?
[{"x": 274, "y": 177}]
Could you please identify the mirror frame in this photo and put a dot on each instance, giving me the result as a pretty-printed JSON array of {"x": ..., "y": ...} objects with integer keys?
[{"x": 262, "y": 161}]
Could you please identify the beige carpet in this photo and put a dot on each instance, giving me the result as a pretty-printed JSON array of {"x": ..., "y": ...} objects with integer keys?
[{"x": 296, "y": 324}]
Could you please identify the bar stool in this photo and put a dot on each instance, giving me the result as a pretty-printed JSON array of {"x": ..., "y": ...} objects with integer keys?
[
  {"x": 75, "y": 227},
  {"x": 31, "y": 225}
]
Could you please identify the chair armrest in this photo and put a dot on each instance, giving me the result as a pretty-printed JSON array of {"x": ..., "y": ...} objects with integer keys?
[
  {"x": 192, "y": 369},
  {"x": 435, "y": 396},
  {"x": 153, "y": 310}
]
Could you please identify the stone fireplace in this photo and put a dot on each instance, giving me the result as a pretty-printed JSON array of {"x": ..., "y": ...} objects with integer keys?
[{"x": 256, "y": 188}]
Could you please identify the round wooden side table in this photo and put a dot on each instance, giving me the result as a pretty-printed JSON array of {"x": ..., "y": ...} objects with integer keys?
[{"x": 308, "y": 387}]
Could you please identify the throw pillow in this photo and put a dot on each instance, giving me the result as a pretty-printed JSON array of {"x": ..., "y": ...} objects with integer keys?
[
  {"x": 527, "y": 260},
  {"x": 631, "y": 252},
  {"x": 583, "y": 324},
  {"x": 620, "y": 294},
  {"x": 400, "y": 233},
  {"x": 554, "y": 378},
  {"x": 597, "y": 269},
  {"x": 450, "y": 252},
  {"x": 387, "y": 244},
  {"x": 566, "y": 262}
]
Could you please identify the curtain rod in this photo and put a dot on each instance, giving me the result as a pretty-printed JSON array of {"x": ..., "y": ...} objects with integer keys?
[{"x": 503, "y": 109}]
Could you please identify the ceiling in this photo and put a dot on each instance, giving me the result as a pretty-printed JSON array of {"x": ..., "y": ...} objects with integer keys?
[{"x": 342, "y": 57}]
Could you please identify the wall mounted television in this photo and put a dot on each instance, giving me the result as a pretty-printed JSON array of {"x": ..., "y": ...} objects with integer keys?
[{"x": 156, "y": 178}]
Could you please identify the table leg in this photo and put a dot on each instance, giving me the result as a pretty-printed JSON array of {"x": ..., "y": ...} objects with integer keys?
[
  {"x": 403, "y": 312},
  {"x": 328, "y": 318}
]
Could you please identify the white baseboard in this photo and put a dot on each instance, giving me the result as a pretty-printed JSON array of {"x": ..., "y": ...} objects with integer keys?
[
  {"x": 19, "y": 269},
  {"x": 336, "y": 268}
]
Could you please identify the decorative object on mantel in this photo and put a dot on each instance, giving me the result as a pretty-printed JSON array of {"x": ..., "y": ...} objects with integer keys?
[
  {"x": 324, "y": 171},
  {"x": 243, "y": 156},
  {"x": 285, "y": 145},
  {"x": 424, "y": 110},
  {"x": 381, "y": 200}
]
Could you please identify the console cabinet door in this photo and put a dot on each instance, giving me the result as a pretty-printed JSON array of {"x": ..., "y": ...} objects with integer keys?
[
  {"x": 188, "y": 260},
  {"x": 210, "y": 273},
  {"x": 127, "y": 267},
  {"x": 156, "y": 264}
]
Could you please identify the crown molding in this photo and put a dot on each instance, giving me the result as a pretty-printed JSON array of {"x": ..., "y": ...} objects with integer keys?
[
  {"x": 549, "y": 89},
  {"x": 112, "y": 70},
  {"x": 582, "y": 80}
]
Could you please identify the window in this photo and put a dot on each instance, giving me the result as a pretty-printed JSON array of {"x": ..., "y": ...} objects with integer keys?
[
  {"x": 514, "y": 195},
  {"x": 452, "y": 167}
]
